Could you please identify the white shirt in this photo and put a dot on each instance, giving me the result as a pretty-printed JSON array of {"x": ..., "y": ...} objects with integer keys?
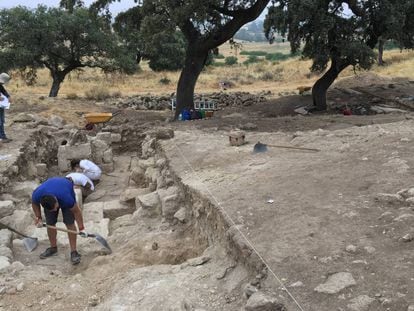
[
  {"x": 4, "y": 102},
  {"x": 90, "y": 169},
  {"x": 80, "y": 179}
]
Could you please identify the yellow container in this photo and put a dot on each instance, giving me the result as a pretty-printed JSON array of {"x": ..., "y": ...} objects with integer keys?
[{"x": 98, "y": 117}]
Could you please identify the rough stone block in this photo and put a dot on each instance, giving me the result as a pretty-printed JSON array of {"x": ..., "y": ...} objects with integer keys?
[
  {"x": 181, "y": 215},
  {"x": 150, "y": 162},
  {"x": 24, "y": 189},
  {"x": 63, "y": 162},
  {"x": 4, "y": 262},
  {"x": 6, "y": 208},
  {"x": 6, "y": 238},
  {"x": 41, "y": 169},
  {"x": 107, "y": 156},
  {"x": 116, "y": 138},
  {"x": 148, "y": 204},
  {"x": 152, "y": 174},
  {"x": 5, "y": 251},
  {"x": 82, "y": 151},
  {"x": 105, "y": 136},
  {"x": 115, "y": 209},
  {"x": 131, "y": 193},
  {"x": 174, "y": 190},
  {"x": 260, "y": 302},
  {"x": 93, "y": 212},
  {"x": 19, "y": 220},
  {"x": 138, "y": 176},
  {"x": 170, "y": 205}
]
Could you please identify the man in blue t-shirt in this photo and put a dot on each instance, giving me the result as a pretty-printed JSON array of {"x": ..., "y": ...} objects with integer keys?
[{"x": 53, "y": 195}]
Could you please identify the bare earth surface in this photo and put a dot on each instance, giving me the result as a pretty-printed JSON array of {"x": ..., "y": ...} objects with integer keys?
[{"x": 311, "y": 216}]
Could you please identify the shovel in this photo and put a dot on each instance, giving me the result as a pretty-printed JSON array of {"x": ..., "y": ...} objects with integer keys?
[
  {"x": 97, "y": 237},
  {"x": 29, "y": 243},
  {"x": 259, "y": 147}
]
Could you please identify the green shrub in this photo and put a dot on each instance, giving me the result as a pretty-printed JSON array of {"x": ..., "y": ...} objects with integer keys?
[
  {"x": 230, "y": 60},
  {"x": 252, "y": 59},
  {"x": 165, "y": 81},
  {"x": 254, "y": 53},
  {"x": 276, "y": 56},
  {"x": 391, "y": 45},
  {"x": 219, "y": 56},
  {"x": 218, "y": 64}
]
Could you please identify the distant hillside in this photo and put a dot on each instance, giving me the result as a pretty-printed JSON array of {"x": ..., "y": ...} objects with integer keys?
[{"x": 253, "y": 32}]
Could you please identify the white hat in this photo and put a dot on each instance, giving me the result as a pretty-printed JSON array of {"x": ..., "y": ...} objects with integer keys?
[{"x": 4, "y": 78}]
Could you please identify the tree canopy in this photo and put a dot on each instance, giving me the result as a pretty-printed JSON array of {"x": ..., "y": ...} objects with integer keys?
[
  {"x": 150, "y": 39},
  {"x": 205, "y": 25},
  {"x": 326, "y": 33},
  {"x": 60, "y": 40}
]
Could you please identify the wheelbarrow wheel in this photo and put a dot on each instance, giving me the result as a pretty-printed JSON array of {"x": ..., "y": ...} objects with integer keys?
[{"x": 89, "y": 126}]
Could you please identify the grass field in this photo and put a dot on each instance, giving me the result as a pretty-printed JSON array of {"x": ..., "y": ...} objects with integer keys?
[{"x": 262, "y": 76}]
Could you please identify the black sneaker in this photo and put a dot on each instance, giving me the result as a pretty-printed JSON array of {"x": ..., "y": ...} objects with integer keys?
[
  {"x": 51, "y": 251},
  {"x": 75, "y": 257}
]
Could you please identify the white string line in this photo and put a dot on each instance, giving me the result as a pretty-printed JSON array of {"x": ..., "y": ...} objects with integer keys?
[{"x": 237, "y": 228}]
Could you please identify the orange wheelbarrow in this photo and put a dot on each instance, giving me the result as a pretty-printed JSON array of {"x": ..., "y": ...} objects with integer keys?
[{"x": 94, "y": 118}]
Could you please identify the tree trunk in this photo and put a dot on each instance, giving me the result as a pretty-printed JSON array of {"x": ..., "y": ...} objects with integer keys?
[
  {"x": 322, "y": 85},
  {"x": 58, "y": 78},
  {"x": 380, "y": 52},
  {"x": 193, "y": 65}
]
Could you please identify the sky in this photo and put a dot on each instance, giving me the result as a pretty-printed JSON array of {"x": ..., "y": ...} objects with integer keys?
[{"x": 115, "y": 7}]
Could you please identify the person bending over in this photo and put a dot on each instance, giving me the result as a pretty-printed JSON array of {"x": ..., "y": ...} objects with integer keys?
[
  {"x": 86, "y": 167},
  {"x": 53, "y": 195}
]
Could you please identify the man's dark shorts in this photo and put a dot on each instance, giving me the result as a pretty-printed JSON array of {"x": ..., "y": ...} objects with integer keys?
[{"x": 51, "y": 217}]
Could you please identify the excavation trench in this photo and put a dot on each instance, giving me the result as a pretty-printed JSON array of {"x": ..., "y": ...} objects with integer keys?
[{"x": 173, "y": 249}]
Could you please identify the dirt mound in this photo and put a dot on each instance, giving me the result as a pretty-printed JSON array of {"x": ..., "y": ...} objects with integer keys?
[{"x": 362, "y": 80}]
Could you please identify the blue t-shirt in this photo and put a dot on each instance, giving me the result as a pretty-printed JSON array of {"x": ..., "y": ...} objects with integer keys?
[{"x": 60, "y": 187}]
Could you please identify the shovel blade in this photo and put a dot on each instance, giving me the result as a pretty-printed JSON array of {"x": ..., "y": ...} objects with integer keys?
[
  {"x": 259, "y": 147},
  {"x": 30, "y": 244},
  {"x": 103, "y": 242}
]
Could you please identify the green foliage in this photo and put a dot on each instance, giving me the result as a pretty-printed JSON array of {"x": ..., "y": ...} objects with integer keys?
[
  {"x": 230, "y": 60},
  {"x": 218, "y": 64},
  {"x": 218, "y": 56},
  {"x": 166, "y": 51},
  {"x": 255, "y": 53},
  {"x": 390, "y": 45},
  {"x": 279, "y": 56},
  {"x": 165, "y": 81},
  {"x": 252, "y": 59},
  {"x": 61, "y": 41},
  {"x": 325, "y": 30},
  {"x": 148, "y": 36}
]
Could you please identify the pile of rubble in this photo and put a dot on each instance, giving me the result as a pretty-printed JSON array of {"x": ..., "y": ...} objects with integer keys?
[{"x": 234, "y": 99}]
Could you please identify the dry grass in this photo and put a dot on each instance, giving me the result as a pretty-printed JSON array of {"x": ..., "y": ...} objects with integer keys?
[{"x": 263, "y": 76}]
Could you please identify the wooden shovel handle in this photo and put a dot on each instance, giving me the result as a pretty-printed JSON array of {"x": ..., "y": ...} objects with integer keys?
[
  {"x": 291, "y": 147},
  {"x": 60, "y": 229},
  {"x": 90, "y": 235}
]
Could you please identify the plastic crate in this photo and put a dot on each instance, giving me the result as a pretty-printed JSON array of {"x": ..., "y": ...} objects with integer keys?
[{"x": 207, "y": 105}]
